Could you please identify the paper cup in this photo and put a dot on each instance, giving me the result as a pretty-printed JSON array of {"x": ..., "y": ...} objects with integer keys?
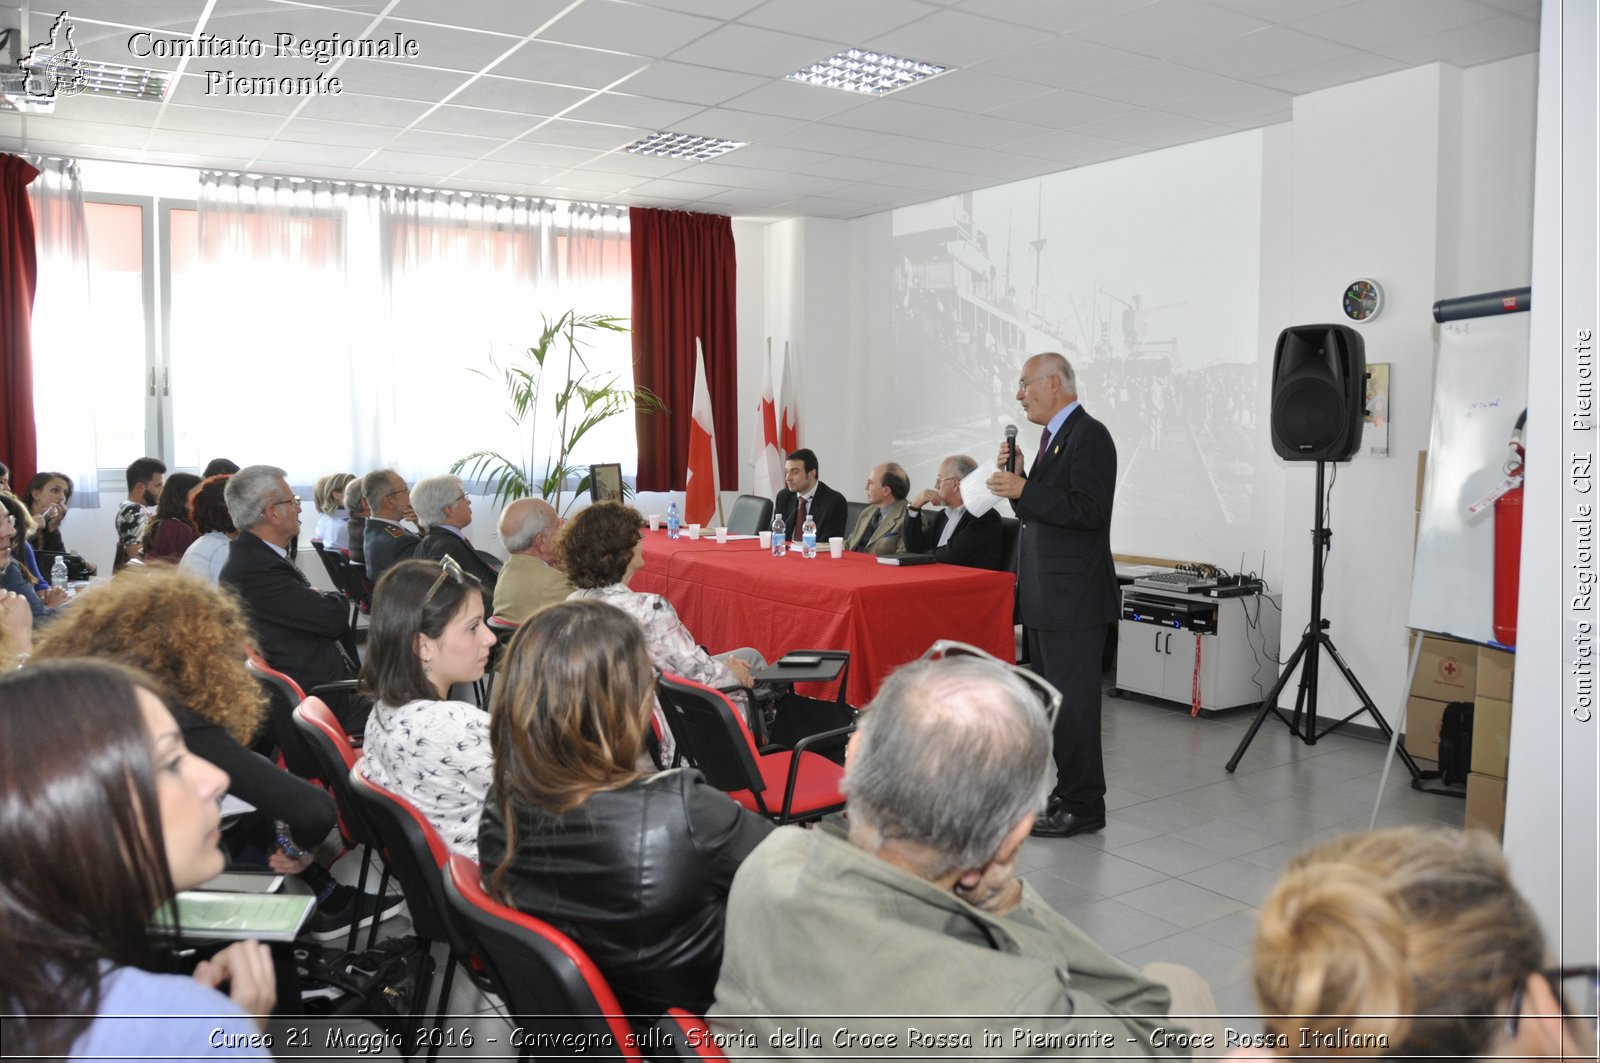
[
  {"x": 722, "y": 535},
  {"x": 694, "y": 531},
  {"x": 655, "y": 521},
  {"x": 836, "y": 545},
  {"x": 766, "y": 539}
]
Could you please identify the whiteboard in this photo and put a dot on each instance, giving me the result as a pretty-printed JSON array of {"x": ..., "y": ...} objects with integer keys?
[{"x": 1480, "y": 389}]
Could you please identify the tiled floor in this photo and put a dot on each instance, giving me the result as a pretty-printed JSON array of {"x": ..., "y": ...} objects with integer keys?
[{"x": 1188, "y": 853}]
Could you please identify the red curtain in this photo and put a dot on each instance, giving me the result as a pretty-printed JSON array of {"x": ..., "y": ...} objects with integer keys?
[
  {"x": 683, "y": 287},
  {"x": 18, "y": 273}
]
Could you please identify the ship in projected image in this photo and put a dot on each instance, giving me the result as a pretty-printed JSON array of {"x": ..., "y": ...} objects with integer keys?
[{"x": 968, "y": 314}]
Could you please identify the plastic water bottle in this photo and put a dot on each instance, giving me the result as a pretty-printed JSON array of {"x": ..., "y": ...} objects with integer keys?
[
  {"x": 672, "y": 519},
  {"x": 780, "y": 536},
  {"x": 808, "y": 537},
  {"x": 58, "y": 573}
]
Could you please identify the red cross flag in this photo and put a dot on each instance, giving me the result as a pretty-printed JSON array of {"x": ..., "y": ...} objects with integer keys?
[
  {"x": 767, "y": 458},
  {"x": 700, "y": 494}
]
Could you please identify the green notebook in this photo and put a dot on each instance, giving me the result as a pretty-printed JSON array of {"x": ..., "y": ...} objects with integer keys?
[{"x": 237, "y": 916}]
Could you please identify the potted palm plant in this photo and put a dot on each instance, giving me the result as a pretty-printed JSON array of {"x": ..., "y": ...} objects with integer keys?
[{"x": 553, "y": 378}]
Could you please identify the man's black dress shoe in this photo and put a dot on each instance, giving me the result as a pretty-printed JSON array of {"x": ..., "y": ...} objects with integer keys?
[{"x": 1059, "y": 824}]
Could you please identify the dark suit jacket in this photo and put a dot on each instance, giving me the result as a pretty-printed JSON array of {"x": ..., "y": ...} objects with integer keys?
[
  {"x": 977, "y": 542},
  {"x": 440, "y": 543},
  {"x": 297, "y": 627},
  {"x": 384, "y": 544},
  {"x": 827, "y": 509},
  {"x": 1065, "y": 576}
]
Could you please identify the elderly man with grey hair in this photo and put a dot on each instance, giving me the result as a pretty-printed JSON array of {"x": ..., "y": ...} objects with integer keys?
[
  {"x": 299, "y": 630},
  {"x": 386, "y": 540},
  {"x": 444, "y": 510},
  {"x": 531, "y": 578},
  {"x": 913, "y": 922},
  {"x": 955, "y": 537}
]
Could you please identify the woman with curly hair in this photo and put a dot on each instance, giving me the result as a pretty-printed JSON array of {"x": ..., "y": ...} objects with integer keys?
[
  {"x": 169, "y": 533},
  {"x": 1413, "y": 942},
  {"x": 208, "y": 512},
  {"x": 192, "y": 638}
]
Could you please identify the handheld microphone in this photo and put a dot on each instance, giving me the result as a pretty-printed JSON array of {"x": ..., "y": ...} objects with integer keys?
[{"x": 1011, "y": 448}]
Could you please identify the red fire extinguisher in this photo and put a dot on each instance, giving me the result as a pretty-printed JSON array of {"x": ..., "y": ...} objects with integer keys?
[{"x": 1508, "y": 543}]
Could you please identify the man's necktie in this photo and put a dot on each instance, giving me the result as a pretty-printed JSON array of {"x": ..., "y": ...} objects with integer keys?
[
  {"x": 872, "y": 526},
  {"x": 1044, "y": 444},
  {"x": 799, "y": 518}
]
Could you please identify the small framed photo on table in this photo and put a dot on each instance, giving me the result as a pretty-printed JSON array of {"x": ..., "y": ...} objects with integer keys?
[{"x": 605, "y": 483}]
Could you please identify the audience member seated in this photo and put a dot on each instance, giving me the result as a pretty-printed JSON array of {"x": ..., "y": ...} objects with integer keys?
[
  {"x": 880, "y": 528},
  {"x": 634, "y": 866},
  {"x": 803, "y": 494},
  {"x": 355, "y": 504},
  {"x": 168, "y": 534},
  {"x": 333, "y": 528},
  {"x": 427, "y": 635},
  {"x": 192, "y": 638},
  {"x": 5, "y": 478},
  {"x": 956, "y": 537},
  {"x": 298, "y": 629},
  {"x": 916, "y": 911},
  {"x": 1412, "y": 942},
  {"x": 145, "y": 477},
  {"x": 47, "y": 497},
  {"x": 131, "y": 819},
  {"x": 601, "y": 549},
  {"x": 208, "y": 512},
  {"x": 219, "y": 467},
  {"x": 385, "y": 539},
  {"x": 14, "y": 577},
  {"x": 530, "y": 580},
  {"x": 16, "y": 630},
  {"x": 444, "y": 511}
]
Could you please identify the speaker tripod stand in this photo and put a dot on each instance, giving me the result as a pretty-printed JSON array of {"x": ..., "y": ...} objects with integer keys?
[{"x": 1307, "y": 655}]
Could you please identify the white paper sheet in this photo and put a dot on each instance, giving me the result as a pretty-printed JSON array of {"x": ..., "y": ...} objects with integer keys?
[{"x": 975, "y": 493}]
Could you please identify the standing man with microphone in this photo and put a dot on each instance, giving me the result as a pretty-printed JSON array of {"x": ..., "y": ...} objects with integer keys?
[{"x": 1066, "y": 581}]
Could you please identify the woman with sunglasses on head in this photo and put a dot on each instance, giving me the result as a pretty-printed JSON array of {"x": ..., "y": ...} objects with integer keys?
[
  {"x": 428, "y": 635},
  {"x": 104, "y": 815},
  {"x": 1411, "y": 942},
  {"x": 634, "y": 866}
]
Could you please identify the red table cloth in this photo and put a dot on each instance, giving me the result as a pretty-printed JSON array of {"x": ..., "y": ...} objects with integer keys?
[{"x": 737, "y": 594}]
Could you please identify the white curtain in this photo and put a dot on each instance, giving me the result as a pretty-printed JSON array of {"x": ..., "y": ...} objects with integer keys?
[
  {"x": 269, "y": 328},
  {"x": 469, "y": 278},
  {"x": 64, "y": 341}
]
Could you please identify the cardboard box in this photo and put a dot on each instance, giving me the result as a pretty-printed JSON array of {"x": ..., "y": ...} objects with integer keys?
[
  {"x": 1448, "y": 670},
  {"x": 1486, "y": 804},
  {"x": 1422, "y": 727},
  {"x": 1491, "y": 736},
  {"x": 1495, "y": 668}
]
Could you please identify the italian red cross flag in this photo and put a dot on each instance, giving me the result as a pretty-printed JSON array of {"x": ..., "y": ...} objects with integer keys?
[
  {"x": 700, "y": 492},
  {"x": 767, "y": 459}
]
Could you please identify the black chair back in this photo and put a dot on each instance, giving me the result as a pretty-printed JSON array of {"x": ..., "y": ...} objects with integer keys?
[
  {"x": 550, "y": 986},
  {"x": 283, "y": 695},
  {"x": 413, "y": 850},
  {"x": 710, "y": 735},
  {"x": 1010, "y": 539},
  {"x": 750, "y": 515},
  {"x": 852, "y": 513}
]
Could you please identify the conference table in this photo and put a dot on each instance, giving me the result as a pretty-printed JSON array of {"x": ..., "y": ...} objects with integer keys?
[{"x": 737, "y": 594}]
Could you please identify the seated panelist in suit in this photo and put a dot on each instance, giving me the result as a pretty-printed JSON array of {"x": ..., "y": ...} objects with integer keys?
[
  {"x": 804, "y": 494},
  {"x": 956, "y": 536},
  {"x": 444, "y": 511},
  {"x": 297, "y": 628},
  {"x": 880, "y": 529},
  {"x": 386, "y": 539}
]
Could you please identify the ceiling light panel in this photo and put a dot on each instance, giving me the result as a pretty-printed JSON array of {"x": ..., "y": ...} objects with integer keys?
[
  {"x": 670, "y": 145},
  {"x": 871, "y": 73}
]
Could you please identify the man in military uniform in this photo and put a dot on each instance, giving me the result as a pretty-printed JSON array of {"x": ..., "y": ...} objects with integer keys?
[{"x": 386, "y": 540}]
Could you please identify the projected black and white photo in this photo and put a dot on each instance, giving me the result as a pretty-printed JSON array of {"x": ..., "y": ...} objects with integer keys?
[{"x": 1144, "y": 273}]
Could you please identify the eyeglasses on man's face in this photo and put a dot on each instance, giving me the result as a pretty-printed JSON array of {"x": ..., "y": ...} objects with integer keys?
[
  {"x": 1049, "y": 696},
  {"x": 291, "y": 500}
]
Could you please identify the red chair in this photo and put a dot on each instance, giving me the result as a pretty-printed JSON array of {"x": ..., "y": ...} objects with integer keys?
[
  {"x": 416, "y": 855},
  {"x": 336, "y": 757},
  {"x": 683, "y": 1035},
  {"x": 553, "y": 990},
  {"x": 712, "y": 735}
]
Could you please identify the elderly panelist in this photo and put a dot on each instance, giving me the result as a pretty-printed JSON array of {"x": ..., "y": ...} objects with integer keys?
[
  {"x": 531, "y": 578},
  {"x": 956, "y": 537},
  {"x": 444, "y": 511},
  {"x": 925, "y": 920}
]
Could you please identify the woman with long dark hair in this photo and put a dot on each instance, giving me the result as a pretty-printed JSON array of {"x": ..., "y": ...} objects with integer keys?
[
  {"x": 634, "y": 865},
  {"x": 104, "y": 815},
  {"x": 428, "y": 635},
  {"x": 169, "y": 533}
]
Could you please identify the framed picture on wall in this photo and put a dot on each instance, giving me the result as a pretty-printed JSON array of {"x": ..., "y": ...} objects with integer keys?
[{"x": 605, "y": 483}]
